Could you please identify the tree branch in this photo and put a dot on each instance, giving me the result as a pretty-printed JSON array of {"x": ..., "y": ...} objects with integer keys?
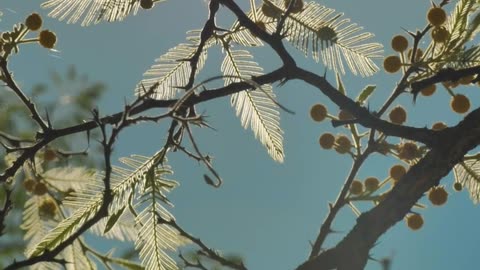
[
  {"x": 29, "y": 104},
  {"x": 438, "y": 162}
]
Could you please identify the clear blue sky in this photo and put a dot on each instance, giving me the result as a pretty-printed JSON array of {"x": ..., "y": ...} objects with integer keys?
[{"x": 266, "y": 212}]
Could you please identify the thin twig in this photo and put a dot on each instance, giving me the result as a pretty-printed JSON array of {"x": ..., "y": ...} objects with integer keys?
[
  {"x": 28, "y": 103},
  {"x": 208, "y": 251}
]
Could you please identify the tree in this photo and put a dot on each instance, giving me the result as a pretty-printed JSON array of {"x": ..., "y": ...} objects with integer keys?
[{"x": 130, "y": 202}]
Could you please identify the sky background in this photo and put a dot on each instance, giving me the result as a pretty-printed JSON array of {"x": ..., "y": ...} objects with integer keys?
[{"x": 265, "y": 211}]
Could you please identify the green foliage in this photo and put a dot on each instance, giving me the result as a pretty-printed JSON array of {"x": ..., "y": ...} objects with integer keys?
[
  {"x": 137, "y": 212},
  {"x": 91, "y": 11},
  {"x": 172, "y": 70},
  {"x": 255, "y": 107},
  {"x": 468, "y": 174}
]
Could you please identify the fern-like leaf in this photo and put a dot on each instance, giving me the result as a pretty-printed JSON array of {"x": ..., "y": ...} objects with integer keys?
[
  {"x": 65, "y": 178},
  {"x": 92, "y": 11},
  {"x": 91, "y": 201},
  {"x": 156, "y": 238},
  {"x": 254, "y": 107},
  {"x": 36, "y": 227},
  {"x": 468, "y": 174},
  {"x": 88, "y": 201},
  {"x": 459, "y": 26},
  {"x": 172, "y": 70},
  {"x": 329, "y": 37},
  {"x": 453, "y": 52},
  {"x": 123, "y": 230},
  {"x": 76, "y": 258},
  {"x": 37, "y": 224},
  {"x": 242, "y": 35}
]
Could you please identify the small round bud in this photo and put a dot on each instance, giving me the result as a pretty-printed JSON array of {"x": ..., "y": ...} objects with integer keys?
[
  {"x": 436, "y": 16},
  {"x": 318, "y": 112},
  {"x": 399, "y": 43},
  {"x": 343, "y": 144},
  {"x": 297, "y": 5},
  {"x": 356, "y": 188},
  {"x": 40, "y": 189},
  {"x": 439, "y": 126},
  {"x": 457, "y": 186},
  {"x": 460, "y": 103},
  {"x": 398, "y": 115},
  {"x": 397, "y": 172},
  {"x": 326, "y": 141},
  {"x": 429, "y": 90},
  {"x": 47, "y": 39},
  {"x": 146, "y": 4},
  {"x": 440, "y": 34},
  {"x": 29, "y": 184},
  {"x": 33, "y": 22},
  {"x": 407, "y": 151},
  {"x": 392, "y": 64},
  {"x": 48, "y": 208},
  {"x": 438, "y": 195},
  {"x": 414, "y": 221},
  {"x": 371, "y": 184}
]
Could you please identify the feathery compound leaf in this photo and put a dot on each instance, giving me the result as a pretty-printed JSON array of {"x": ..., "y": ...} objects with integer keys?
[
  {"x": 88, "y": 201},
  {"x": 468, "y": 174},
  {"x": 123, "y": 229},
  {"x": 242, "y": 35},
  {"x": 466, "y": 57},
  {"x": 91, "y": 201},
  {"x": 92, "y": 11},
  {"x": 172, "y": 70},
  {"x": 156, "y": 238},
  {"x": 39, "y": 217},
  {"x": 254, "y": 107},
  {"x": 66, "y": 178},
  {"x": 35, "y": 224},
  {"x": 453, "y": 52},
  {"x": 76, "y": 258},
  {"x": 459, "y": 24},
  {"x": 321, "y": 31}
]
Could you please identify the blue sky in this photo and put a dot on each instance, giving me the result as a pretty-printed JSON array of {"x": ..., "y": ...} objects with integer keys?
[{"x": 265, "y": 211}]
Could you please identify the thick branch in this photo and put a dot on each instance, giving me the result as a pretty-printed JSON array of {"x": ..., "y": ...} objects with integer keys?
[
  {"x": 149, "y": 104},
  {"x": 364, "y": 117},
  {"x": 456, "y": 142},
  {"x": 444, "y": 75}
]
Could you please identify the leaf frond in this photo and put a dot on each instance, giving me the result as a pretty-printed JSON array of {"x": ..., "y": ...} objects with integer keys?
[
  {"x": 172, "y": 70},
  {"x": 35, "y": 226},
  {"x": 155, "y": 238},
  {"x": 87, "y": 202},
  {"x": 66, "y": 178},
  {"x": 255, "y": 108},
  {"x": 330, "y": 38},
  {"x": 468, "y": 174},
  {"x": 242, "y": 35},
  {"x": 453, "y": 53},
  {"x": 91, "y": 11},
  {"x": 38, "y": 223}
]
